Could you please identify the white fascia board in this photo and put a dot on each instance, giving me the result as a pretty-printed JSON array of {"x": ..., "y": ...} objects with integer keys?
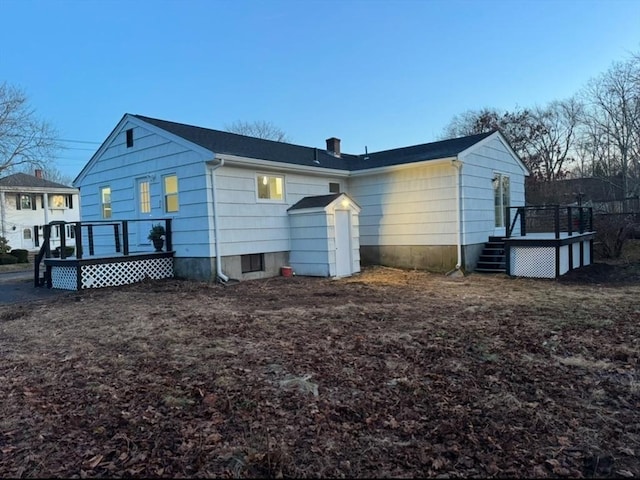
[
  {"x": 506, "y": 145},
  {"x": 237, "y": 161},
  {"x": 403, "y": 166},
  {"x": 128, "y": 118}
]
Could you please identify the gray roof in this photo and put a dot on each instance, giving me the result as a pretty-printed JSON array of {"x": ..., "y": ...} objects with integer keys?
[
  {"x": 318, "y": 201},
  {"x": 241, "y": 145},
  {"x": 29, "y": 181}
]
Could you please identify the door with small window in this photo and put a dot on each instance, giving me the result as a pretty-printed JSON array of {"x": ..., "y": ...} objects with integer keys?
[
  {"x": 27, "y": 239},
  {"x": 143, "y": 207}
]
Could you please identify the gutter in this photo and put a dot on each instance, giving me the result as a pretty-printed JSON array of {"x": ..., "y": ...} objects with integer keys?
[
  {"x": 214, "y": 166},
  {"x": 459, "y": 227}
]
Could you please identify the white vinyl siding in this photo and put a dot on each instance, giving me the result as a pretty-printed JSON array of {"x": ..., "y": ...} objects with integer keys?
[
  {"x": 481, "y": 165},
  {"x": 249, "y": 225},
  {"x": 153, "y": 156},
  {"x": 412, "y": 206}
]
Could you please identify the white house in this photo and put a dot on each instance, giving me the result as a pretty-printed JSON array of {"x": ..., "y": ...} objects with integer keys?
[
  {"x": 29, "y": 201},
  {"x": 243, "y": 207}
]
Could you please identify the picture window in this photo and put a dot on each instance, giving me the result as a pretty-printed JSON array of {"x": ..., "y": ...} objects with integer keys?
[{"x": 270, "y": 187}]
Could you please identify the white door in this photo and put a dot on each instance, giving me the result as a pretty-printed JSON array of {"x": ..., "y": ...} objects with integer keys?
[
  {"x": 143, "y": 208},
  {"x": 343, "y": 243},
  {"x": 502, "y": 199}
]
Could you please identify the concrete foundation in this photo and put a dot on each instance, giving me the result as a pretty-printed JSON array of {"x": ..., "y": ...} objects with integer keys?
[
  {"x": 204, "y": 269},
  {"x": 434, "y": 258}
]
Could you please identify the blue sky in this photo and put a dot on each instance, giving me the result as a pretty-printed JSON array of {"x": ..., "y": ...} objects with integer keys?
[{"x": 380, "y": 74}]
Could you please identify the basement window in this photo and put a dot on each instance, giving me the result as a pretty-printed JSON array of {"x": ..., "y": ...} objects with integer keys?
[
  {"x": 130, "y": 138},
  {"x": 252, "y": 263}
]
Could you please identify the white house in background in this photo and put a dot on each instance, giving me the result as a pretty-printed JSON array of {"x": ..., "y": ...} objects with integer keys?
[
  {"x": 243, "y": 207},
  {"x": 29, "y": 201}
]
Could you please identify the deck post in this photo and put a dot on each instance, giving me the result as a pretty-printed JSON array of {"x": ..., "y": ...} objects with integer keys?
[
  {"x": 523, "y": 221},
  {"x": 77, "y": 227},
  {"x": 556, "y": 221},
  {"x": 125, "y": 237},
  {"x": 90, "y": 236},
  {"x": 63, "y": 240},
  {"x": 167, "y": 229},
  {"x": 116, "y": 236},
  {"x": 570, "y": 222}
]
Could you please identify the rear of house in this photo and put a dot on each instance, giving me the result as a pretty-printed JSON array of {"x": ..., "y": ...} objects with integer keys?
[{"x": 243, "y": 207}]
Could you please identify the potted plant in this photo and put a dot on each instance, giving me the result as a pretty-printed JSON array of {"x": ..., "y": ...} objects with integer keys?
[{"x": 156, "y": 235}]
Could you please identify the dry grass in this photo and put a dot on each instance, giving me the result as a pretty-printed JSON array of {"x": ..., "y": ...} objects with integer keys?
[{"x": 390, "y": 373}]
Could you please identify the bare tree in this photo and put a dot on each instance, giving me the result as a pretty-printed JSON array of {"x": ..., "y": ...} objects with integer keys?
[
  {"x": 555, "y": 142},
  {"x": 258, "y": 129},
  {"x": 520, "y": 127},
  {"x": 24, "y": 139},
  {"x": 612, "y": 122}
]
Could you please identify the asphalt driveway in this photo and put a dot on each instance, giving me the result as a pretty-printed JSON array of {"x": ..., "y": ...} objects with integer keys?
[{"x": 17, "y": 287}]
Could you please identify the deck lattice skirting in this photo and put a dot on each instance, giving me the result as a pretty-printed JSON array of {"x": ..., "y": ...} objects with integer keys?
[
  {"x": 550, "y": 241},
  {"x": 73, "y": 274},
  {"x": 548, "y": 257}
]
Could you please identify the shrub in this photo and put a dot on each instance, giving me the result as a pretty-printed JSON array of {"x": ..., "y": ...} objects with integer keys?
[
  {"x": 68, "y": 252},
  {"x": 21, "y": 254},
  {"x": 612, "y": 231},
  {"x": 4, "y": 245},
  {"x": 6, "y": 259}
]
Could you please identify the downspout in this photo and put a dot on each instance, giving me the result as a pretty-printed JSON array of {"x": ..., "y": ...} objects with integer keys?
[
  {"x": 216, "y": 230},
  {"x": 459, "y": 228}
]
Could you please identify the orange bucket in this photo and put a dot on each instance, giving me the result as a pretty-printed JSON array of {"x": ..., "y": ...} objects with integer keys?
[{"x": 286, "y": 271}]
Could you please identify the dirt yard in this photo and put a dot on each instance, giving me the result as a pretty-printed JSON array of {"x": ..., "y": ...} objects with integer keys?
[{"x": 389, "y": 373}]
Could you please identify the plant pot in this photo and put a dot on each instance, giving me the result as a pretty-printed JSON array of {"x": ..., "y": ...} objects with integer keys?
[{"x": 158, "y": 243}]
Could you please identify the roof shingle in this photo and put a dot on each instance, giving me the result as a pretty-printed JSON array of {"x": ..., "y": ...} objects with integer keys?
[{"x": 251, "y": 147}]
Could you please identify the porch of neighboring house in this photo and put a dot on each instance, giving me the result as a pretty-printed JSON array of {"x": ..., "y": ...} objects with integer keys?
[
  {"x": 78, "y": 267},
  {"x": 541, "y": 242}
]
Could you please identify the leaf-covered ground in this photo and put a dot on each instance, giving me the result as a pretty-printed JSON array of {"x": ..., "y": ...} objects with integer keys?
[{"x": 390, "y": 373}]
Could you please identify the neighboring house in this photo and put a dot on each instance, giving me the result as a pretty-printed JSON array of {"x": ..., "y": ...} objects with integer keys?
[
  {"x": 29, "y": 201},
  {"x": 244, "y": 207}
]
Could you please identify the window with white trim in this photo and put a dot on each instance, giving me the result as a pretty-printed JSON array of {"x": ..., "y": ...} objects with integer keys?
[
  {"x": 105, "y": 202},
  {"x": 61, "y": 201},
  {"x": 171, "y": 194},
  {"x": 502, "y": 198},
  {"x": 270, "y": 187}
]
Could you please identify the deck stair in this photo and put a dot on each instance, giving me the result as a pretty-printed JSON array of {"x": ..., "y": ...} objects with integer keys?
[{"x": 492, "y": 259}]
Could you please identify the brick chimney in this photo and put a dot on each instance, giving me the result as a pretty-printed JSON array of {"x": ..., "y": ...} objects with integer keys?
[
  {"x": 38, "y": 173},
  {"x": 333, "y": 146}
]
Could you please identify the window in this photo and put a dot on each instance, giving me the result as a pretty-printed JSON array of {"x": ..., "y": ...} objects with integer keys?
[
  {"x": 334, "y": 187},
  {"x": 252, "y": 263},
  {"x": 105, "y": 200},
  {"x": 26, "y": 234},
  {"x": 71, "y": 231},
  {"x": 270, "y": 187},
  {"x": 25, "y": 202},
  {"x": 171, "y": 193},
  {"x": 502, "y": 198},
  {"x": 130, "y": 138},
  {"x": 145, "y": 197},
  {"x": 61, "y": 201}
]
